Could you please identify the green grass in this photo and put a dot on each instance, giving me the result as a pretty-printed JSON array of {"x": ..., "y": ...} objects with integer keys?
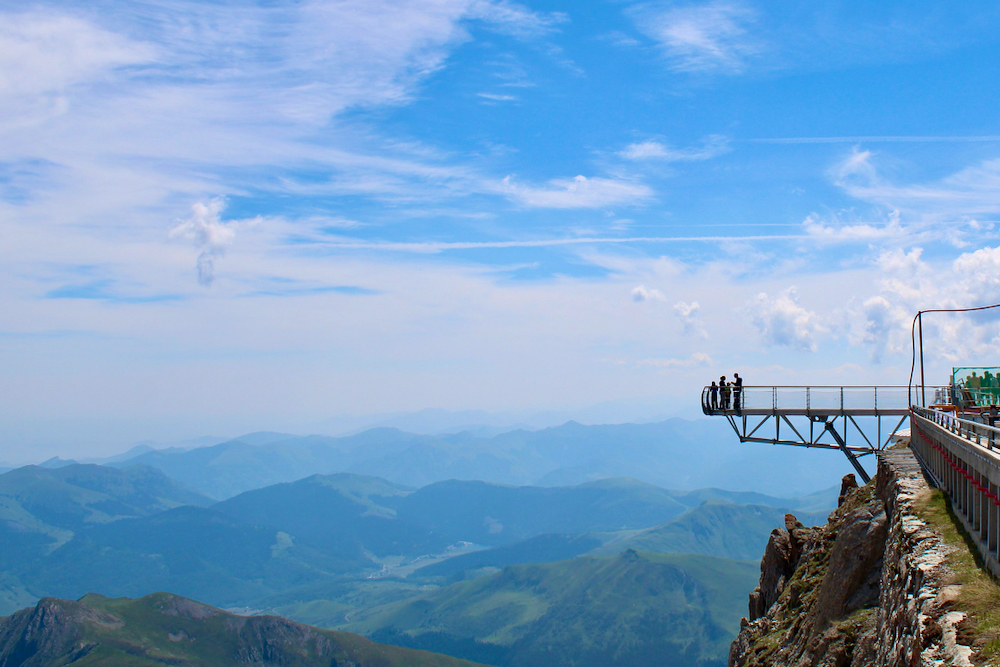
[
  {"x": 979, "y": 595},
  {"x": 635, "y": 608}
]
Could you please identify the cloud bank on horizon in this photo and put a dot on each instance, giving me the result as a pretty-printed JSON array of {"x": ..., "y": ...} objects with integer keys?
[{"x": 235, "y": 215}]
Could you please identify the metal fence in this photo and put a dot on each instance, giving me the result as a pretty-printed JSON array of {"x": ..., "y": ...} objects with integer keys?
[
  {"x": 818, "y": 399},
  {"x": 962, "y": 458}
]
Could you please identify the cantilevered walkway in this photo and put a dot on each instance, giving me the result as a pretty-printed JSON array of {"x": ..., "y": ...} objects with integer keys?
[{"x": 858, "y": 420}]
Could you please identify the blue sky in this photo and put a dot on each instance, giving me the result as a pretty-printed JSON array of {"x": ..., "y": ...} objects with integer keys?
[{"x": 218, "y": 217}]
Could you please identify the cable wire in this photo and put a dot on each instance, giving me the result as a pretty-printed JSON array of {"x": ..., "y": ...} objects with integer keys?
[{"x": 913, "y": 343}]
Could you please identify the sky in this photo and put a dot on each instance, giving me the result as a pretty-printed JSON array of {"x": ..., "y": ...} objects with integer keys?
[{"x": 218, "y": 217}]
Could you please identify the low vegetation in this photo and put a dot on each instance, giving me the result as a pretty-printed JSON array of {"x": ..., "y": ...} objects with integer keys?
[{"x": 979, "y": 595}]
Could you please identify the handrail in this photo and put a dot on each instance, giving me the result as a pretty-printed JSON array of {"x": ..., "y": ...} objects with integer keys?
[
  {"x": 826, "y": 386},
  {"x": 975, "y": 432},
  {"x": 960, "y": 457},
  {"x": 808, "y": 399}
]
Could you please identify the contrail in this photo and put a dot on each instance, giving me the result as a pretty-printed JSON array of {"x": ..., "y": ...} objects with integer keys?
[
  {"x": 544, "y": 243},
  {"x": 851, "y": 140}
]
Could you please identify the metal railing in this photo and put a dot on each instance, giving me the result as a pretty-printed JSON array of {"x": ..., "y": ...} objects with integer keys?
[
  {"x": 816, "y": 399},
  {"x": 962, "y": 458}
]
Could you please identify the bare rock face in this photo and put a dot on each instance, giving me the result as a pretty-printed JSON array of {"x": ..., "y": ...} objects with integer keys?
[
  {"x": 869, "y": 588},
  {"x": 852, "y": 578},
  {"x": 847, "y": 484}
]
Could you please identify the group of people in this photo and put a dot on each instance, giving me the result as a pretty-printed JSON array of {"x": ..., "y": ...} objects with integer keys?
[
  {"x": 984, "y": 389},
  {"x": 726, "y": 391}
]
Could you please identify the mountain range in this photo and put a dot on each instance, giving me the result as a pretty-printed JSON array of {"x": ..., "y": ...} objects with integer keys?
[
  {"x": 511, "y": 575},
  {"x": 676, "y": 453},
  {"x": 168, "y": 630},
  {"x": 84, "y": 528}
]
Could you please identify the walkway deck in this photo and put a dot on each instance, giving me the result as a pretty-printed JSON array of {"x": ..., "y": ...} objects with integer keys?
[
  {"x": 856, "y": 419},
  {"x": 819, "y": 401}
]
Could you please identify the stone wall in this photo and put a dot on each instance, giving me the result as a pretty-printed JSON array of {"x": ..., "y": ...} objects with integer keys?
[{"x": 871, "y": 587}]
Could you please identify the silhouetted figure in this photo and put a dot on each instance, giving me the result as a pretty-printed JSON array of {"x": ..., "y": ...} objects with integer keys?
[
  {"x": 724, "y": 390},
  {"x": 737, "y": 390},
  {"x": 713, "y": 394}
]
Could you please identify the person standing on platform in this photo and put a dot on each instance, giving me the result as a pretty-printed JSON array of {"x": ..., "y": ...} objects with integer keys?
[
  {"x": 724, "y": 390},
  {"x": 737, "y": 391},
  {"x": 713, "y": 393}
]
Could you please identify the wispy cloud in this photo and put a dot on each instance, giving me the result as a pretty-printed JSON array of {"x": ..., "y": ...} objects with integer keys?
[
  {"x": 515, "y": 19},
  {"x": 108, "y": 291},
  {"x": 714, "y": 37},
  {"x": 578, "y": 192},
  {"x": 953, "y": 207},
  {"x": 441, "y": 246},
  {"x": 695, "y": 360},
  {"x": 495, "y": 97},
  {"x": 713, "y": 146}
]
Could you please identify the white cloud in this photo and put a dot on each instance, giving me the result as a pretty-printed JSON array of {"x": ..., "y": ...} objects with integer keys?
[
  {"x": 907, "y": 283},
  {"x": 705, "y": 38},
  {"x": 979, "y": 273},
  {"x": 881, "y": 321},
  {"x": 836, "y": 232},
  {"x": 495, "y": 97},
  {"x": 782, "y": 321},
  {"x": 579, "y": 192},
  {"x": 210, "y": 234},
  {"x": 642, "y": 293},
  {"x": 713, "y": 146},
  {"x": 695, "y": 360},
  {"x": 689, "y": 315}
]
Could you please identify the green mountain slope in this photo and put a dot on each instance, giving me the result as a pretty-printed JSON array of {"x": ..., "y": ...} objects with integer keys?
[
  {"x": 194, "y": 551},
  {"x": 497, "y": 514},
  {"x": 715, "y": 528},
  {"x": 343, "y": 515},
  {"x": 78, "y": 495},
  {"x": 43, "y": 508},
  {"x": 165, "y": 629},
  {"x": 540, "y": 549},
  {"x": 635, "y": 608}
]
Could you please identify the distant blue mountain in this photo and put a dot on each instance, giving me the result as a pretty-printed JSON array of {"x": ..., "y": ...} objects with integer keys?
[{"x": 676, "y": 453}]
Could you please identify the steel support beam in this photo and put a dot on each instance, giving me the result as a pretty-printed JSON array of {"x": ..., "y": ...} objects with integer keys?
[{"x": 828, "y": 426}]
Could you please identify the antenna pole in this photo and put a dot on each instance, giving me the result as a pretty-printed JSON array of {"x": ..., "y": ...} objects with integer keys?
[{"x": 923, "y": 388}]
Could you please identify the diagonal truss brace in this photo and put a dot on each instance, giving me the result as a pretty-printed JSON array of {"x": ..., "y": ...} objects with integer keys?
[{"x": 843, "y": 438}]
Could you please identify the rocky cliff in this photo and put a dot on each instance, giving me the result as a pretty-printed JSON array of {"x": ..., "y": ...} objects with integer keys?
[{"x": 871, "y": 587}]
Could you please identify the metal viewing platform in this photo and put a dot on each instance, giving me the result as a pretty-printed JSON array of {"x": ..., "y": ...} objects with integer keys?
[{"x": 858, "y": 420}]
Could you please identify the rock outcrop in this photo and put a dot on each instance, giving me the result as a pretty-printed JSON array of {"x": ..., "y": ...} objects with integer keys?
[{"x": 869, "y": 588}]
